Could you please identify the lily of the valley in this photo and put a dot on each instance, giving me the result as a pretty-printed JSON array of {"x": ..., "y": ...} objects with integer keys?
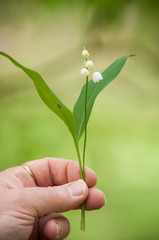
[
  {"x": 97, "y": 76},
  {"x": 85, "y": 53},
  {"x": 84, "y": 72},
  {"x": 89, "y": 64}
]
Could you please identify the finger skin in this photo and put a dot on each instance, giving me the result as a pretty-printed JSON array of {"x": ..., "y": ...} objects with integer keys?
[
  {"x": 22, "y": 200},
  {"x": 20, "y": 207},
  {"x": 52, "y": 225},
  {"x": 54, "y": 171},
  {"x": 95, "y": 200},
  {"x": 47, "y": 172},
  {"x": 61, "y": 171},
  {"x": 40, "y": 201}
]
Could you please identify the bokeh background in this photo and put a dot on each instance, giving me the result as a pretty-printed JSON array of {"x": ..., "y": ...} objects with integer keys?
[{"x": 123, "y": 131}]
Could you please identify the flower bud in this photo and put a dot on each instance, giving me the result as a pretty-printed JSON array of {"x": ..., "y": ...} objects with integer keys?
[
  {"x": 85, "y": 53},
  {"x": 97, "y": 76},
  {"x": 89, "y": 64},
  {"x": 84, "y": 72}
]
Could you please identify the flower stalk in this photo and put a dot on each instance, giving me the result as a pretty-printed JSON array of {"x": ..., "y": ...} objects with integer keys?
[
  {"x": 84, "y": 154},
  {"x": 96, "y": 78},
  {"x": 85, "y": 135}
]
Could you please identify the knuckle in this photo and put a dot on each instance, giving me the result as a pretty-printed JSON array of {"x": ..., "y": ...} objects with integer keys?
[{"x": 47, "y": 159}]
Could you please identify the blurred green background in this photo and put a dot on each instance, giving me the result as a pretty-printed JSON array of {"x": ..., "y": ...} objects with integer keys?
[{"x": 123, "y": 132}]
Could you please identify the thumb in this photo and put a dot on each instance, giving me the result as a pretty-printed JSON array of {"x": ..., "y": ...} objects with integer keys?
[{"x": 42, "y": 201}]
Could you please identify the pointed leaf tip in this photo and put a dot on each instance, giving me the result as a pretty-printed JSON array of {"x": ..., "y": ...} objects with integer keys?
[
  {"x": 132, "y": 55},
  {"x": 48, "y": 96},
  {"x": 93, "y": 90}
]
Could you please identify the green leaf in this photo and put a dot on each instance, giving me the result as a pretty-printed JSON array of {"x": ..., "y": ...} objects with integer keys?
[
  {"x": 93, "y": 90},
  {"x": 48, "y": 97}
]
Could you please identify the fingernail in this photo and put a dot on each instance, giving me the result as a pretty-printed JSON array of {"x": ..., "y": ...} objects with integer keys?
[
  {"x": 77, "y": 188},
  {"x": 59, "y": 231}
]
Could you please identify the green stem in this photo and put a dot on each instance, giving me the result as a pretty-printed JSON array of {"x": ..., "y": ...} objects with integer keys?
[
  {"x": 85, "y": 136},
  {"x": 79, "y": 157},
  {"x": 84, "y": 153},
  {"x": 83, "y": 217},
  {"x": 81, "y": 171}
]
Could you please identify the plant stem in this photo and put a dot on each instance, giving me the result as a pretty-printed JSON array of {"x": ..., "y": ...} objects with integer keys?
[
  {"x": 84, "y": 153},
  {"x": 83, "y": 217},
  {"x": 85, "y": 136},
  {"x": 79, "y": 157},
  {"x": 82, "y": 164},
  {"x": 81, "y": 171}
]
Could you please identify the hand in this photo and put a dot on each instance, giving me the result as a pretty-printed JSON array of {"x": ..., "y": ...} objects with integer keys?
[{"x": 25, "y": 206}]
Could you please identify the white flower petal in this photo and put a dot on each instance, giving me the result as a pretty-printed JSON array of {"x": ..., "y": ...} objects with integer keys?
[
  {"x": 84, "y": 72},
  {"x": 85, "y": 53},
  {"x": 97, "y": 76},
  {"x": 89, "y": 64}
]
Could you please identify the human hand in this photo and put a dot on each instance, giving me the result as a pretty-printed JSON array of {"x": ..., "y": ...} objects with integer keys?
[{"x": 25, "y": 205}]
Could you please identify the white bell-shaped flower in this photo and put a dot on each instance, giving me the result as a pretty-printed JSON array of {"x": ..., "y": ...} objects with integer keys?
[
  {"x": 85, "y": 53},
  {"x": 84, "y": 72},
  {"x": 97, "y": 76},
  {"x": 89, "y": 64}
]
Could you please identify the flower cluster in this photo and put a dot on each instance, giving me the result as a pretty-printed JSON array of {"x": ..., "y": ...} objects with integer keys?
[{"x": 97, "y": 76}]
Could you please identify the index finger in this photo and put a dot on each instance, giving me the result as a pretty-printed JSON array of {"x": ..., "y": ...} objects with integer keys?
[{"x": 55, "y": 171}]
